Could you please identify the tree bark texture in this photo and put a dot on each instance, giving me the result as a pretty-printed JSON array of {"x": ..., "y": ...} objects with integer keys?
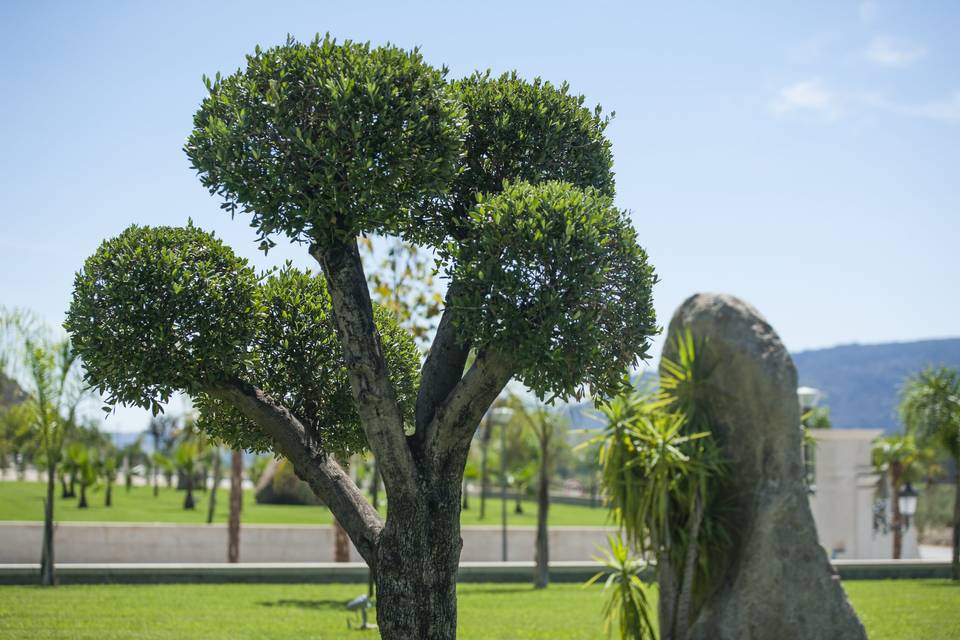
[
  {"x": 236, "y": 495},
  {"x": 414, "y": 555},
  {"x": 419, "y": 553}
]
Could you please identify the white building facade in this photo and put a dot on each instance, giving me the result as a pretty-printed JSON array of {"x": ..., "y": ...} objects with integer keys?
[{"x": 843, "y": 495}]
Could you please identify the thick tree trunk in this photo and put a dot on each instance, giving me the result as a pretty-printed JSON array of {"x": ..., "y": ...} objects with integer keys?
[
  {"x": 108, "y": 499},
  {"x": 417, "y": 561},
  {"x": 83, "y": 497},
  {"x": 48, "y": 577},
  {"x": 542, "y": 578},
  {"x": 64, "y": 490},
  {"x": 236, "y": 497},
  {"x": 955, "y": 570},
  {"x": 466, "y": 496},
  {"x": 212, "y": 502}
]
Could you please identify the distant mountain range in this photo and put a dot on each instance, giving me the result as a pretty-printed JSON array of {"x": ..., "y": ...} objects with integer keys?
[{"x": 861, "y": 383}]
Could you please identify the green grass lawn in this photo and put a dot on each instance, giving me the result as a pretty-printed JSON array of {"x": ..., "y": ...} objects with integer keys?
[
  {"x": 24, "y": 501},
  {"x": 891, "y": 610}
]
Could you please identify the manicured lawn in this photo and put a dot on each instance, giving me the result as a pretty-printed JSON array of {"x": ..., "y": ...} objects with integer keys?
[
  {"x": 24, "y": 501},
  {"x": 891, "y": 610}
]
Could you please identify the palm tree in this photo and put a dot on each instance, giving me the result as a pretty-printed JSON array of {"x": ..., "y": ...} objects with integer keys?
[
  {"x": 659, "y": 465},
  {"x": 900, "y": 459},
  {"x": 48, "y": 371},
  {"x": 549, "y": 434},
  {"x": 133, "y": 459},
  {"x": 930, "y": 408},
  {"x": 161, "y": 428},
  {"x": 108, "y": 462},
  {"x": 87, "y": 475},
  {"x": 186, "y": 458}
]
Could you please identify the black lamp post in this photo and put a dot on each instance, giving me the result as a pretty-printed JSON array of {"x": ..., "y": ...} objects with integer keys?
[{"x": 907, "y": 501}]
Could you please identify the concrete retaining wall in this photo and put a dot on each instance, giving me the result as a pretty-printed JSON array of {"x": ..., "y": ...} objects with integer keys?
[{"x": 181, "y": 543}]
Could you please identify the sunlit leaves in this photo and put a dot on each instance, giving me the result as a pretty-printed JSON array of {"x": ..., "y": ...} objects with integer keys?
[
  {"x": 297, "y": 359},
  {"x": 325, "y": 140},
  {"x": 520, "y": 130},
  {"x": 554, "y": 276},
  {"x": 158, "y": 310}
]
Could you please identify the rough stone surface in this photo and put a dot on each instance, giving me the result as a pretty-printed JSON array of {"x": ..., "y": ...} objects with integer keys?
[{"x": 777, "y": 582}]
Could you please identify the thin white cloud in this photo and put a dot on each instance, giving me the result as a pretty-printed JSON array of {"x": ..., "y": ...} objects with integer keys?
[
  {"x": 945, "y": 110},
  {"x": 809, "y": 96},
  {"x": 894, "y": 52}
]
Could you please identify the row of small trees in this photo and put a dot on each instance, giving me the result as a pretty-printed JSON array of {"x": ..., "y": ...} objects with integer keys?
[{"x": 41, "y": 426}]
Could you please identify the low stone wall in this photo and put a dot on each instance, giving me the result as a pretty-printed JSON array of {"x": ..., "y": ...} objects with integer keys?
[{"x": 180, "y": 543}]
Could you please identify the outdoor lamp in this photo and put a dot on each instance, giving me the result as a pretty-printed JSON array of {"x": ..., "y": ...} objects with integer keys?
[{"x": 907, "y": 503}]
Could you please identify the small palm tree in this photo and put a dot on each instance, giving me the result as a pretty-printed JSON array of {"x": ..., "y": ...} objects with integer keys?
[
  {"x": 87, "y": 475},
  {"x": 187, "y": 457},
  {"x": 627, "y": 608},
  {"x": 930, "y": 409},
  {"x": 108, "y": 463},
  {"x": 900, "y": 459}
]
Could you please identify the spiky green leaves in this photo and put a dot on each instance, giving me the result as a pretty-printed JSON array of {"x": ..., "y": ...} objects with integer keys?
[
  {"x": 297, "y": 359},
  {"x": 523, "y": 131},
  {"x": 553, "y": 275},
  {"x": 161, "y": 309},
  {"x": 325, "y": 140}
]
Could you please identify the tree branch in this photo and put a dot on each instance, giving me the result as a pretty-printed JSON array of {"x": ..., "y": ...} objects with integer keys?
[
  {"x": 366, "y": 365},
  {"x": 457, "y": 418},
  {"x": 327, "y": 479},
  {"x": 442, "y": 370}
]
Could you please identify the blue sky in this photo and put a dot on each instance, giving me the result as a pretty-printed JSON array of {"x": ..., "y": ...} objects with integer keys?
[{"x": 803, "y": 156}]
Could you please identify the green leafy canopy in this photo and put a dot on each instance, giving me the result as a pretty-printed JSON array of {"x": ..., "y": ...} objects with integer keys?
[
  {"x": 322, "y": 141},
  {"x": 158, "y": 310},
  {"x": 553, "y": 275},
  {"x": 298, "y": 360}
]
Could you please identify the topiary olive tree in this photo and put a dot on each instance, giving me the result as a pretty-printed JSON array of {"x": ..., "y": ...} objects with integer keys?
[{"x": 509, "y": 181}]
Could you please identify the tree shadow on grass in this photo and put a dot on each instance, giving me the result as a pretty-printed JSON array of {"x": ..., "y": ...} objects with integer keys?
[
  {"x": 315, "y": 605},
  {"x": 495, "y": 590},
  {"x": 940, "y": 582}
]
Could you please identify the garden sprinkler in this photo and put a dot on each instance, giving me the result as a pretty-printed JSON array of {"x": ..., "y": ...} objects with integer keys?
[{"x": 360, "y": 604}]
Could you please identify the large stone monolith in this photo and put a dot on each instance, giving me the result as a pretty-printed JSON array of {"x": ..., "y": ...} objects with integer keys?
[{"x": 776, "y": 581}]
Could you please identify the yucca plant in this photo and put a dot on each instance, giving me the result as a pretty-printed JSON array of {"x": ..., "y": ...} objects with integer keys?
[
  {"x": 628, "y": 607},
  {"x": 659, "y": 465}
]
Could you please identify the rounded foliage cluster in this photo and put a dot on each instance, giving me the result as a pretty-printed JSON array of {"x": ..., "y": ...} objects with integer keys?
[
  {"x": 553, "y": 276},
  {"x": 524, "y": 131},
  {"x": 297, "y": 360},
  {"x": 325, "y": 140},
  {"x": 161, "y": 309}
]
